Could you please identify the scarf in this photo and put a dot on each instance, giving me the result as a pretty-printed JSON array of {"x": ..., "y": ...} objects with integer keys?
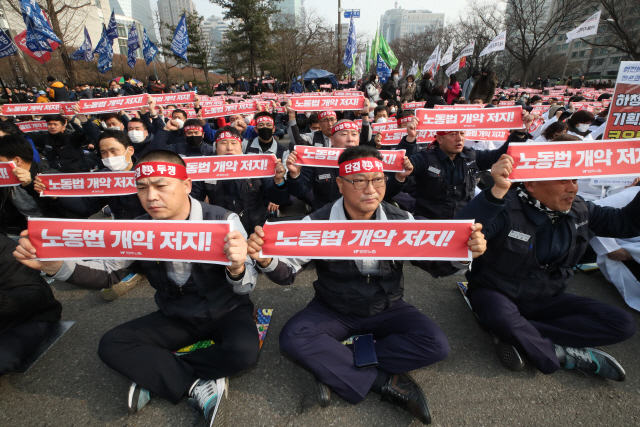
[{"x": 524, "y": 195}]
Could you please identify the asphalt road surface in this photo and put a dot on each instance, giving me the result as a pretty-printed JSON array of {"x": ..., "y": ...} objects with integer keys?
[{"x": 69, "y": 385}]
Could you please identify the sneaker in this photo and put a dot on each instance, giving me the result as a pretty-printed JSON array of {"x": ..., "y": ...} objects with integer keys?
[
  {"x": 116, "y": 291},
  {"x": 596, "y": 361},
  {"x": 138, "y": 398},
  {"x": 509, "y": 356},
  {"x": 323, "y": 392},
  {"x": 402, "y": 391},
  {"x": 209, "y": 397}
]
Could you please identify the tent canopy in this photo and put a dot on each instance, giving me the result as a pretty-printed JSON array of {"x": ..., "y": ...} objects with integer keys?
[{"x": 321, "y": 77}]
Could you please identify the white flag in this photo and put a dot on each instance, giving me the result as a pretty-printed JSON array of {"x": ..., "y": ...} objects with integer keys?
[
  {"x": 496, "y": 44},
  {"x": 433, "y": 59},
  {"x": 587, "y": 28},
  {"x": 467, "y": 50},
  {"x": 414, "y": 68},
  {"x": 448, "y": 56},
  {"x": 453, "y": 68},
  {"x": 401, "y": 70}
]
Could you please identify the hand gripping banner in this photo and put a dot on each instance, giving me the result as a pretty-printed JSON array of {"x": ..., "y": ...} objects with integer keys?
[
  {"x": 479, "y": 119},
  {"x": 190, "y": 241},
  {"x": 7, "y": 178},
  {"x": 92, "y": 106},
  {"x": 316, "y": 103},
  {"x": 328, "y": 157},
  {"x": 536, "y": 161},
  {"x": 392, "y": 240}
]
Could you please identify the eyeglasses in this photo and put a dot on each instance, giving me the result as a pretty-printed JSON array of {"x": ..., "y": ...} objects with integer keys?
[
  {"x": 332, "y": 121},
  {"x": 361, "y": 184}
]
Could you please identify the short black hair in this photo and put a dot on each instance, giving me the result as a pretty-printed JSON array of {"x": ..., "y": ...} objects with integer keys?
[
  {"x": 107, "y": 116},
  {"x": 263, "y": 114},
  {"x": 119, "y": 135},
  {"x": 51, "y": 79},
  {"x": 9, "y": 127},
  {"x": 12, "y": 146},
  {"x": 230, "y": 129},
  {"x": 358, "y": 152},
  {"x": 476, "y": 73},
  {"x": 137, "y": 120},
  {"x": 178, "y": 110},
  {"x": 161, "y": 156},
  {"x": 554, "y": 128},
  {"x": 152, "y": 78},
  {"x": 582, "y": 116},
  {"x": 126, "y": 77},
  {"x": 453, "y": 78},
  {"x": 437, "y": 91},
  {"x": 380, "y": 108},
  {"x": 194, "y": 122},
  {"x": 55, "y": 118},
  {"x": 313, "y": 118},
  {"x": 535, "y": 98},
  {"x": 576, "y": 98}
]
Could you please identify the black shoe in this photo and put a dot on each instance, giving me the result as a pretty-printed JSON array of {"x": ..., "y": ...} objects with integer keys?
[
  {"x": 403, "y": 391},
  {"x": 596, "y": 361},
  {"x": 323, "y": 392},
  {"x": 509, "y": 356}
]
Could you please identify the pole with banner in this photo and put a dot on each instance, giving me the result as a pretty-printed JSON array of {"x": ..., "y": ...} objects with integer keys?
[{"x": 624, "y": 110}]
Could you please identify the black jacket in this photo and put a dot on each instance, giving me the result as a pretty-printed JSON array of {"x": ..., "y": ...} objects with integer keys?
[
  {"x": 63, "y": 150},
  {"x": 24, "y": 295}
]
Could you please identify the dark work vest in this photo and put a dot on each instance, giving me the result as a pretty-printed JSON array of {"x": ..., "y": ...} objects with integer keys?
[
  {"x": 438, "y": 199},
  {"x": 345, "y": 289},
  {"x": 510, "y": 265},
  {"x": 280, "y": 150},
  {"x": 318, "y": 139}
]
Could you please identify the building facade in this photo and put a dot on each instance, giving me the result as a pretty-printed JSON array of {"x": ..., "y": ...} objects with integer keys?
[
  {"x": 292, "y": 7},
  {"x": 397, "y": 23},
  {"x": 139, "y": 10},
  {"x": 170, "y": 12}
]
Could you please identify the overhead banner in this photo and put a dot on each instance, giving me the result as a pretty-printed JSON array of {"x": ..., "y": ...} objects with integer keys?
[
  {"x": 538, "y": 161},
  {"x": 316, "y": 103},
  {"x": 394, "y": 136},
  {"x": 231, "y": 167},
  {"x": 7, "y": 178},
  {"x": 92, "y": 106},
  {"x": 229, "y": 109},
  {"x": 478, "y": 119},
  {"x": 412, "y": 105},
  {"x": 457, "y": 106},
  {"x": 189, "y": 241},
  {"x": 32, "y": 126},
  {"x": 623, "y": 120},
  {"x": 88, "y": 184},
  {"x": 328, "y": 157},
  {"x": 496, "y": 45},
  {"x": 587, "y": 28},
  {"x": 38, "y": 109},
  {"x": 173, "y": 98},
  {"x": 390, "y": 240},
  {"x": 191, "y": 113}
]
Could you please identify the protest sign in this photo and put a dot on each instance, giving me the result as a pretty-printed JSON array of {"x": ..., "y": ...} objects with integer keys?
[
  {"x": 32, "y": 126},
  {"x": 38, "y": 109},
  {"x": 623, "y": 120},
  {"x": 105, "y": 105},
  {"x": 318, "y": 103},
  {"x": 7, "y": 178},
  {"x": 328, "y": 157},
  {"x": 479, "y": 119},
  {"x": 88, "y": 184}
]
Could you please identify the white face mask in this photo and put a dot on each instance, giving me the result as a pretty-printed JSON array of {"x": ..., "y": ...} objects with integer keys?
[
  {"x": 381, "y": 120},
  {"x": 247, "y": 119},
  {"x": 179, "y": 122},
  {"x": 377, "y": 80},
  {"x": 371, "y": 116},
  {"x": 583, "y": 127},
  {"x": 393, "y": 110},
  {"x": 136, "y": 135},
  {"x": 113, "y": 128},
  {"x": 117, "y": 163}
]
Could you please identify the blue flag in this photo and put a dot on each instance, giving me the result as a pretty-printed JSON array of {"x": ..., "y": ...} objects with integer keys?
[
  {"x": 134, "y": 44},
  {"x": 350, "y": 49},
  {"x": 7, "y": 47},
  {"x": 149, "y": 50},
  {"x": 382, "y": 69},
  {"x": 112, "y": 29},
  {"x": 181, "y": 39},
  {"x": 85, "y": 51},
  {"x": 39, "y": 31},
  {"x": 105, "y": 49}
]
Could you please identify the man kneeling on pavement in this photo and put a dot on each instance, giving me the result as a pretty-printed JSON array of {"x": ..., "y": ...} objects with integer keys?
[
  {"x": 361, "y": 297},
  {"x": 536, "y": 232},
  {"x": 197, "y": 301}
]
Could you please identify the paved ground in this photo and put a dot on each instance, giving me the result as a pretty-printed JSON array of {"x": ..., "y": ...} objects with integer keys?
[{"x": 69, "y": 386}]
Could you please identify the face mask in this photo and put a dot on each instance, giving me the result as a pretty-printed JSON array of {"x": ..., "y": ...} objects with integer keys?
[
  {"x": 583, "y": 127},
  {"x": 265, "y": 133},
  {"x": 371, "y": 116},
  {"x": 136, "y": 135},
  {"x": 116, "y": 90},
  {"x": 382, "y": 120},
  {"x": 307, "y": 114},
  {"x": 116, "y": 163},
  {"x": 377, "y": 80},
  {"x": 194, "y": 141},
  {"x": 393, "y": 111},
  {"x": 179, "y": 122},
  {"x": 396, "y": 78},
  {"x": 113, "y": 128},
  {"x": 247, "y": 120}
]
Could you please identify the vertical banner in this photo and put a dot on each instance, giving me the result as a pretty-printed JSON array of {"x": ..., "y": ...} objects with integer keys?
[{"x": 623, "y": 121}]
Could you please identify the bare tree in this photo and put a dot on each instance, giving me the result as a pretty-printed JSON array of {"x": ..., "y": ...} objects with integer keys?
[{"x": 620, "y": 21}]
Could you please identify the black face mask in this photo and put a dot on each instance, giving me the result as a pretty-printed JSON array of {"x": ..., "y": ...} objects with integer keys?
[
  {"x": 265, "y": 133},
  {"x": 194, "y": 141}
]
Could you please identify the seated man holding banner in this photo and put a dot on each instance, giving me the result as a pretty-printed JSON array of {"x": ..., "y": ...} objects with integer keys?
[
  {"x": 362, "y": 296},
  {"x": 537, "y": 231},
  {"x": 196, "y": 300}
]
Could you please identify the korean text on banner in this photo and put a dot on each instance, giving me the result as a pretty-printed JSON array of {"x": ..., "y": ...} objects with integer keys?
[
  {"x": 7, "y": 178},
  {"x": 393, "y": 240},
  {"x": 89, "y": 184},
  {"x": 231, "y": 167},
  {"x": 32, "y": 126},
  {"x": 306, "y": 155},
  {"x": 92, "y": 106},
  {"x": 317, "y": 103},
  {"x": 624, "y": 111},
  {"x": 173, "y": 98},
  {"x": 40, "y": 109},
  {"x": 479, "y": 119},
  {"x": 394, "y": 136},
  {"x": 229, "y": 109},
  {"x": 536, "y": 161},
  {"x": 190, "y": 241}
]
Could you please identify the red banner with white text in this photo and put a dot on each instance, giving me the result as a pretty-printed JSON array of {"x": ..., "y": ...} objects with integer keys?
[
  {"x": 321, "y": 103},
  {"x": 479, "y": 119},
  {"x": 93, "y": 106},
  {"x": 623, "y": 120},
  {"x": 392, "y": 240},
  {"x": 32, "y": 126},
  {"x": 229, "y": 109},
  {"x": 412, "y": 105},
  {"x": 173, "y": 98},
  {"x": 394, "y": 136},
  {"x": 541, "y": 161},
  {"x": 191, "y": 113},
  {"x": 328, "y": 157},
  {"x": 231, "y": 167},
  {"x": 190, "y": 241},
  {"x": 457, "y": 106},
  {"x": 88, "y": 184},
  {"x": 7, "y": 178},
  {"x": 38, "y": 109}
]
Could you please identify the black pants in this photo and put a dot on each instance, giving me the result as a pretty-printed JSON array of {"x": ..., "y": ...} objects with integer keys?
[
  {"x": 534, "y": 327},
  {"x": 143, "y": 350},
  {"x": 20, "y": 342}
]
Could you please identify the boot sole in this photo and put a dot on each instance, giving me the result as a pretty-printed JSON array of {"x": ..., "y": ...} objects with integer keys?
[
  {"x": 509, "y": 356},
  {"x": 323, "y": 393}
]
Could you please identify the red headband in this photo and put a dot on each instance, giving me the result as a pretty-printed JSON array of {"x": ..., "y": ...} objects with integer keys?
[
  {"x": 444, "y": 132},
  {"x": 263, "y": 119},
  {"x": 361, "y": 165},
  {"x": 227, "y": 135},
  {"x": 324, "y": 114},
  {"x": 405, "y": 120},
  {"x": 170, "y": 170},
  {"x": 344, "y": 126},
  {"x": 193, "y": 127}
]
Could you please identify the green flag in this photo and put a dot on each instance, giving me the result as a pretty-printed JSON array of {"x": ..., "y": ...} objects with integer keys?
[
  {"x": 386, "y": 53},
  {"x": 374, "y": 50},
  {"x": 368, "y": 58}
]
